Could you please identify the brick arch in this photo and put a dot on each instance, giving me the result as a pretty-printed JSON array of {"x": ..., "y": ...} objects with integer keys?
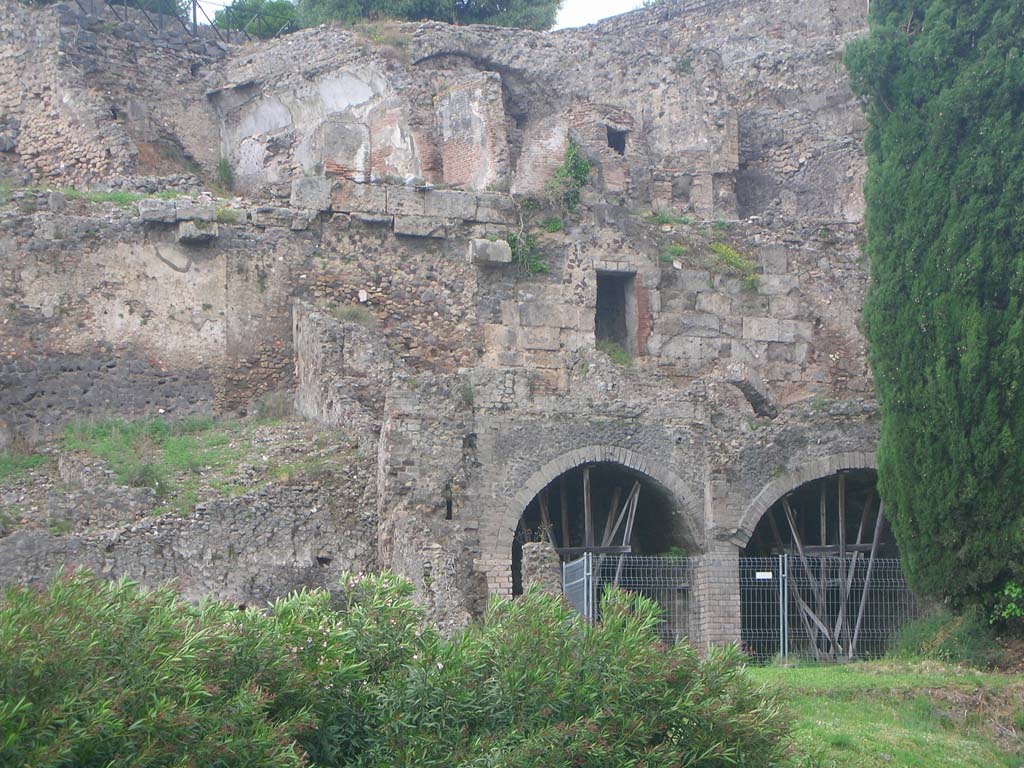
[
  {"x": 669, "y": 482},
  {"x": 780, "y": 486}
]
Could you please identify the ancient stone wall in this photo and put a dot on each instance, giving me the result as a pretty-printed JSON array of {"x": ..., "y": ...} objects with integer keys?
[
  {"x": 88, "y": 96},
  {"x": 246, "y": 550},
  {"x": 724, "y": 203}
]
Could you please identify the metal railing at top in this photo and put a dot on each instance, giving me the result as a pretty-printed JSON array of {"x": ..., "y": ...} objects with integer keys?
[{"x": 227, "y": 24}]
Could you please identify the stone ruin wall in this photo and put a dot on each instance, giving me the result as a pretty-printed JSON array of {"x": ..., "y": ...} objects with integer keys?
[{"x": 474, "y": 384}]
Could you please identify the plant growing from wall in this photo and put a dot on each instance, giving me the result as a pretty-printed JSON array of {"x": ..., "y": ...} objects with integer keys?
[
  {"x": 525, "y": 253},
  {"x": 225, "y": 174},
  {"x": 563, "y": 188},
  {"x": 729, "y": 257},
  {"x": 943, "y": 85}
]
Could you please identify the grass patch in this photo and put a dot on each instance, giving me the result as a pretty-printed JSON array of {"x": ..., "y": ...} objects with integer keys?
[
  {"x": 671, "y": 252},
  {"x": 729, "y": 257},
  {"x": 878, "y": 714},
  {"x": 119, "y": 198},
  {"x": 151, "y": 453},
  {"x": 353, "y": 313},
  {"x": 616, "y": 353},
  {"x": 13, "y": 464},
  {"x": 956, "y": 639},
  {"x": 667, "y": 217}
]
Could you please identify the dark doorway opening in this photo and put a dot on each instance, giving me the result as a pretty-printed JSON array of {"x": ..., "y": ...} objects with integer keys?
[
  {"x": 615, "y": 317},
  {"x": 617, "y": 140}
]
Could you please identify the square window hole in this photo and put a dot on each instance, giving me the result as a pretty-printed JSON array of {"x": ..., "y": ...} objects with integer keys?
[{"x": 617, "y": 140}]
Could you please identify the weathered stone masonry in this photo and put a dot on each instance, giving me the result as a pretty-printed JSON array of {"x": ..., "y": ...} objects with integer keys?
[{"x": 366, "y": 269}]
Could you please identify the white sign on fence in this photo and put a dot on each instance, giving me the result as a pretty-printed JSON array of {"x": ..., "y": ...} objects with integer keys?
[{"x": 763, "y": 575}]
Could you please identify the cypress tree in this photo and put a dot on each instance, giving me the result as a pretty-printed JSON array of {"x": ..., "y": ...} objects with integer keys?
[{"x": 942, "y": 82}]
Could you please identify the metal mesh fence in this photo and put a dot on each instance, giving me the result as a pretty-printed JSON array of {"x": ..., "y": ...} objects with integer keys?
[
  {"x": 834, "y": 609},
  {"x": 665, "y": 580},
  {"x": 578, "y": 585},
  {"x": 761, "y": 598}
]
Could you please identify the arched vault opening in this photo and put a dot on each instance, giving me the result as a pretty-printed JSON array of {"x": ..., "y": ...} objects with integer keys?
[
  {"x": 601, "y": 507},
  {"x": 819, "y": 575},
  {"x": 809, "y": 516}
]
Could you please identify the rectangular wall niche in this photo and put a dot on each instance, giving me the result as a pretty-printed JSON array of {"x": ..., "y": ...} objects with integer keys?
[{"x": 615, "y": 317}]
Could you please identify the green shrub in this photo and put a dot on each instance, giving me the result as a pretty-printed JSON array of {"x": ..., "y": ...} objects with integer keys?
[
  {"x": 552, "y": 224},
  {"x": 101, "y": 673},
  {"x": 1009, "y": 607},
  {"x": 942, "y": 636}
]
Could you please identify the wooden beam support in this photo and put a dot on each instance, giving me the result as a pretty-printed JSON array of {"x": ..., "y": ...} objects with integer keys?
[
  {"x": 627, "y": 532},
  {"x": 564, "y": 502},
  {"x": 867, "y": 579},
  {"x": 545, "y": 518},
  {"x": 816, "y": 585},
  {"x": 588, "y": 515},
  {"x": 617, "y": 549},
  {"x": 606, "y": 537}
]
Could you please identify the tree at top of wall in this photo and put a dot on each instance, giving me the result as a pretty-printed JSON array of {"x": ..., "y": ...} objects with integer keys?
[
  {"x": 943, "y": 83},
  {"x": 261, "y": 18},
  {"x": 526, "y": 14}
]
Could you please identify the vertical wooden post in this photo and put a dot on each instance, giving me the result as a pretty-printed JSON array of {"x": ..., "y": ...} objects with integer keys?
[
  {"x": 545, "y": 518},
  {"x": 564, "y": 502},
  {"x": 588, "y": 517},
  {"x": 606, "y": 537}
]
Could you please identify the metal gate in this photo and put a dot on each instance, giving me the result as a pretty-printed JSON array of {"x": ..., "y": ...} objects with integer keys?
[
  {"x": 578, "y": 585},
  {"x": 822, "y": 608},
  {"x": 664, "y": 579}
]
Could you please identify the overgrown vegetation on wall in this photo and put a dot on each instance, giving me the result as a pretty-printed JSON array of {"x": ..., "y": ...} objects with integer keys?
[
  {"x": 565, "y": 185},
  {"x": 100, "y": 673},
  {"x": 943, "y": 81}
]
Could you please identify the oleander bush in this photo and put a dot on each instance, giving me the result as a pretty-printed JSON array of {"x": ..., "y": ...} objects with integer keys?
[{"x": 96, "y": 673}]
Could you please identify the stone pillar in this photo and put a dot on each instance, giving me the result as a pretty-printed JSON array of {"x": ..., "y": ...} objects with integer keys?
[
  {"x": 542, "y": 567},
  {"x": 718, "y": 593}
]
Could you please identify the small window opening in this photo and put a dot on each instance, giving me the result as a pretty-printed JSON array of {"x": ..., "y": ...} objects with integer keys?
[
  {"x": 617, "y": 140},
  {"x": 323, "y": 560},
  {"x": 615, "y": 317},
  {"x": 448, "y": 508}
]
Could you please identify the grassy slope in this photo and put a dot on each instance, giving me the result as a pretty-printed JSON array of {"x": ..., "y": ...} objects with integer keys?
[{"x": 913, "y": 715}]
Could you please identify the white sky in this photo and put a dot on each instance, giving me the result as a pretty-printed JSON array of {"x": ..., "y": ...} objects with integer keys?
[{"x": 576, "y": 13}]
